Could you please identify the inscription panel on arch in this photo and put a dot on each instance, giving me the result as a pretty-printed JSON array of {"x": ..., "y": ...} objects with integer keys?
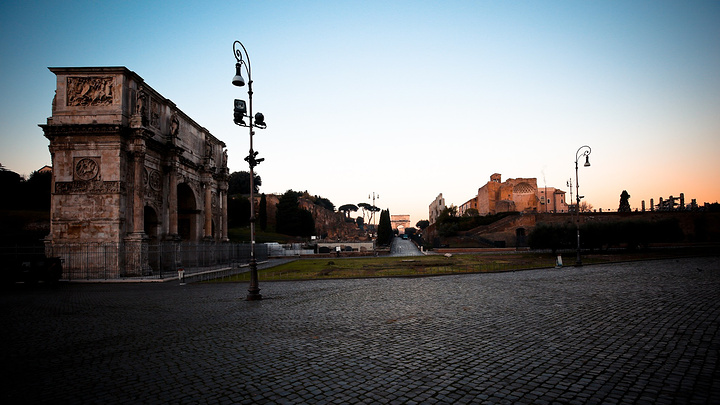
[{"x": 89, "y": 187}]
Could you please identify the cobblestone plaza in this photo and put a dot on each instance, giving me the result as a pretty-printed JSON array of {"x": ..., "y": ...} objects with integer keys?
[{"x": 642, "y": 332}]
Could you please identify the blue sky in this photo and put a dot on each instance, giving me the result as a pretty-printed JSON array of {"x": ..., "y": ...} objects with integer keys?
[{"x": 407, "y": 99}]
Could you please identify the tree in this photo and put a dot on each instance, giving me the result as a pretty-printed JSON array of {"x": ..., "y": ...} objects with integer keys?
[
  {"x": 423, "y": 224},
  {"x": 347, "y": 209},
  {"x": 37, "y": 190},
  {"x": 323, "y": 202},
  {"x": 552, "y": 236},
  {"x": 238, "y": 212},
  {"x": 585, "y": 207},
  {"x": 471, "y": 212},
  {"x": 447, "y": 222},
  {"x": 239, "y": 183},
  {"x": 360, "y": 221},
  {"x": 368, "y": 209},
  {"x": 448, "y": 212},
  {"x": 365, "y": 207},
  {"x": 262, "y": 213},
  {"x": 384, "y": 232},
  {"x": 10, "y": 183},
  {"x": 291, "y": 219},
  {"x": 30, "y": 194},
  {"x": 624, "y": 202}
]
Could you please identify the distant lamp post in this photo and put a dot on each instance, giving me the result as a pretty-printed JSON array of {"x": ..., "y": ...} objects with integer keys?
[
  {"x": 585, "y": 152},
  {"x": 242, "y": 111},
  {"x": 372, "y": 212}
]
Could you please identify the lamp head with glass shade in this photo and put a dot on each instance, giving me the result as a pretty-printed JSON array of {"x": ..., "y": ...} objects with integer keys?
[{"x": 238, "y": 80}]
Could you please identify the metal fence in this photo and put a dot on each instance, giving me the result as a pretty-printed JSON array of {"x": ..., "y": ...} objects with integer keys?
[{"x": 161, "y": 260}]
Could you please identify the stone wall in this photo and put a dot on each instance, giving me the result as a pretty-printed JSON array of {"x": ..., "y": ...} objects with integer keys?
[
  {"x": 436, "y": 208},
  {"x": 697, "y": 227},
  {"x": 129, "y": 166},
  {"x": 331, "y": 223}
]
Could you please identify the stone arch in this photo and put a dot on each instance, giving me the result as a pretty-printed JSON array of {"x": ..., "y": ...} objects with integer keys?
[
  {"x": 188, "y": 213},
  {"x": 152, "y": 224}
]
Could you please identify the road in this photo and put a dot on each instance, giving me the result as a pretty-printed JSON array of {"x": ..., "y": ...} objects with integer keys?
[
  {"x": 625, "y": 333},
  {"x": 404, "y": 247}
]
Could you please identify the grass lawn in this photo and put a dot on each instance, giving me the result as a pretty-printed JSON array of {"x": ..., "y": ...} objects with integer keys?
[{"x": 327, "y": 268}]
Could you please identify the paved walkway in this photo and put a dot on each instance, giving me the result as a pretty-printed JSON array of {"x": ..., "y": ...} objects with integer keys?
[{"x": 634, "y": 333}]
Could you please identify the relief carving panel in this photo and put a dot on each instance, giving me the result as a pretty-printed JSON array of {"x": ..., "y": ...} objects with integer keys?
[
  {"x": 155, "y": 114},
  {"x": 86, "y": 168},
  {"x": 89, "y": 91}
]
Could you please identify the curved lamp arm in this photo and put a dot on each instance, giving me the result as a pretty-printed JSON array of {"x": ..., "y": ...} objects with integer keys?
[
  {"x": 585, "y": 153},
  {"x": 238, "y": 52}
]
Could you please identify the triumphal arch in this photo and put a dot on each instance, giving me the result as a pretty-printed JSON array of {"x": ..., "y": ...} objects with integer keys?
[{"x": 130, "y": 169}]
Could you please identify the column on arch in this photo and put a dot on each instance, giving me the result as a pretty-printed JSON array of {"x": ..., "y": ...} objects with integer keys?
[
  {"x": 208, "y": 208},
  {"x": 172, "y": 200},
  {"x": 224, "y": 214},
  {"x": 138, "y": 153}
]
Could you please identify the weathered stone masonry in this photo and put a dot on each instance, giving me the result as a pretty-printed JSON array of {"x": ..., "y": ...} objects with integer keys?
[{"x": 130, "y": 168}]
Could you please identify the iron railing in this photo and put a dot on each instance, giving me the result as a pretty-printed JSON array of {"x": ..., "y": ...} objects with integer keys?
[{"x": 106, "y": 261}]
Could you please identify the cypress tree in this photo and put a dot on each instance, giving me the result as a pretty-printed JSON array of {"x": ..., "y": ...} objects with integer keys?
[{"x": 385, "y": 232}]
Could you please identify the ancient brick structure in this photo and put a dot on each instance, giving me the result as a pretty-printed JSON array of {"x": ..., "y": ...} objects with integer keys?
[
  {"x": 130, "y": 168},
  {"x": 512, "y": 195},
  {"x": 436, "y": 208}
]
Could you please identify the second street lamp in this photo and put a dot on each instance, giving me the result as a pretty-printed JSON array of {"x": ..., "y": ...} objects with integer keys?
[
  {"x": 585, "y": 153},
  {"x": 242, "y": 111}
]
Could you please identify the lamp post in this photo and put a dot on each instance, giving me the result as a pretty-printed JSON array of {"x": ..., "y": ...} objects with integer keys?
[
  {"x": 242, "y": 111},
  {"x": 585, "y": 152},
  {"x": 372, "y": 212}
]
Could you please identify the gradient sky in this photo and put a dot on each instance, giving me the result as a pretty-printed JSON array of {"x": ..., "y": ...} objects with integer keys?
[{"x": 407, "y": 99}]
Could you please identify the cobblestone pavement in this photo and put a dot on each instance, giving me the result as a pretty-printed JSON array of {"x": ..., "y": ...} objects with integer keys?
[{"x": 635, "y": 333}]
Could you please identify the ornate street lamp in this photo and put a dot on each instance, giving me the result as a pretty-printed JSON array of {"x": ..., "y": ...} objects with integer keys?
[
  {"x": 585, "y": 152},
  {"x": 242, "y": 111}
]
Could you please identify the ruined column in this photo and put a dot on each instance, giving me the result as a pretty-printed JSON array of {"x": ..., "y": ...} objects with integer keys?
[
  {"x": 643, "y": 205},
  {"x": 652, "y": 205}
]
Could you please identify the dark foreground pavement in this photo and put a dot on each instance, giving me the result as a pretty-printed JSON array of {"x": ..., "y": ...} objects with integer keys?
[{"x": 625, "y": 333}]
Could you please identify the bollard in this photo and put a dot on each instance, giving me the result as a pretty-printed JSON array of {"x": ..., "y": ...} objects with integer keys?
[
  {"x": 181, "y": 275},
  {"x": 558, "y": 263}
]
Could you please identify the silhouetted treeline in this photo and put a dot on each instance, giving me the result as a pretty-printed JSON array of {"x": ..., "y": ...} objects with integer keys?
[
  {"x": 291, "y": 219},
  {"x": 21, "y": 194},
  {"x": 599, "y": 235}
]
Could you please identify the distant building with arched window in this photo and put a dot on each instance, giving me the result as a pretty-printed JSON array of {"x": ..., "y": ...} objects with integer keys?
[{"x": 521, "y": 194}]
